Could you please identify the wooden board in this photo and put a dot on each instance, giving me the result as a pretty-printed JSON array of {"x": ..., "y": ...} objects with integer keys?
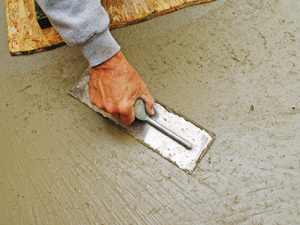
[{"x": 25, "y": 35}]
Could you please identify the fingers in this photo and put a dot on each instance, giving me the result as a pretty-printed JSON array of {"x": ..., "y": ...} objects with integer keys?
[
  {"x": 121, "y": 111},
  {"x": 116, "y": 115},
  {"x": 129, "y": 118},
  {"x": 149, "y": 102}
]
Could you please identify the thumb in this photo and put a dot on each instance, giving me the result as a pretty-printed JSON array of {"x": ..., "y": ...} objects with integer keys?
[{"x": 149, "y": 103}]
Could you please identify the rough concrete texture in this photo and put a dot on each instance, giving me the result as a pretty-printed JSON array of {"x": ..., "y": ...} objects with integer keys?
[{"x": 232, "y": 66}]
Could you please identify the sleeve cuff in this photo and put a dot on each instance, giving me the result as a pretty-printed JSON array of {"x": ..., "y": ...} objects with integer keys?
[{"x": 100, "y": 48}]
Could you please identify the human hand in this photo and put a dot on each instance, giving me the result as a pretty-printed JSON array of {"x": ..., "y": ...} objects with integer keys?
[{"x": 114, "y": 87}]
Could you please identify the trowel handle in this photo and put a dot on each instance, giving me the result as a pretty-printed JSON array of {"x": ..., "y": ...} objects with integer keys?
[
  {"x": 141, "y": 114},
  {"x": 172, "y": 135}
]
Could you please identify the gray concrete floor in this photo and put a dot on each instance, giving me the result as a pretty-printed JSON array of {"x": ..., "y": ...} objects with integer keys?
[{"x": 232, "y": 66}]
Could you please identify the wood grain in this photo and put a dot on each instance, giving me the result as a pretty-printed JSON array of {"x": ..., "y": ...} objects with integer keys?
[{"x": 25, "y": 35}]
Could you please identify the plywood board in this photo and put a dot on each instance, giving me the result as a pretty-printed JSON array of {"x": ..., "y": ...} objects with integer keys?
[{"x": 25, "y": 35}]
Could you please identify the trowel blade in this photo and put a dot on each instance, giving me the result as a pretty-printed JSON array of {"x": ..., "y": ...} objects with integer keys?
[{"x": 184, "y": 158}]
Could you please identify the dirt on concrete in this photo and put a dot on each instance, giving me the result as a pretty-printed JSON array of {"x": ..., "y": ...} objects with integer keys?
[{"x": 231, "y": 66}]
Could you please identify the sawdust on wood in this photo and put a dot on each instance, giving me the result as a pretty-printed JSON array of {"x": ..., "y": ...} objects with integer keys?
[{"x": 25, "y": 35}]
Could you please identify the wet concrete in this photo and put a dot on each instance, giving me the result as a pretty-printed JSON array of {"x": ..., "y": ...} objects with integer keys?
[{"x": 232, "y": 66}]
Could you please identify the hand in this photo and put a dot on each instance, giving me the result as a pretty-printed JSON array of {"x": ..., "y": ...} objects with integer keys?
[{"x": 114, "y": 87}]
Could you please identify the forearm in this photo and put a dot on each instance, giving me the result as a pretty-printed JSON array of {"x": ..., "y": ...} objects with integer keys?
[{"x": 83, "y": 23}]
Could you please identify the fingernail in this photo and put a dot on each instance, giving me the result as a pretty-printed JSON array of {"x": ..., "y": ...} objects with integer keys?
[{"x": 152, "y": 112}]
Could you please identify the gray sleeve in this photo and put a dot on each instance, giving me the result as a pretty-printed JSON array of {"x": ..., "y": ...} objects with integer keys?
[{"x": 84, "y": 23}]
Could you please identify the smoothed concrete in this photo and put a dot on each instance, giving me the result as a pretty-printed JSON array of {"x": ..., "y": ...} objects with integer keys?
[{"x": 232, "y": 66}]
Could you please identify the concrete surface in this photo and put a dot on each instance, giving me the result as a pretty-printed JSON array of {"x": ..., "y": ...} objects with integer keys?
[{"x": 232, "y": 66}]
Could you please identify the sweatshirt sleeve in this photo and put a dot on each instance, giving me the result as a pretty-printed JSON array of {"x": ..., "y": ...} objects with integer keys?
[{"x": 84, "y": 23}]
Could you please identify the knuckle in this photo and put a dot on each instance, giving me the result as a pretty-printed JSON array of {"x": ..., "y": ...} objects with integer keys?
[
  {"x": 92, "y": 101},
  {"x": 127, "y": 120},
  {"x": 99, "y": 106},
  {"x": 110, "y": 109},
  {"x": 97, "y": 103},
  {"x": 116, "y": 115},
  {"x": 123, "y": 110},
  {"x": 144, "y": 89}
]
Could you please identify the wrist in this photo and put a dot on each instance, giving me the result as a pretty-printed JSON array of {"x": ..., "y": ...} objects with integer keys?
[
  {"x": 116, "y": 60},
  {"x": 100, "y": 48}
]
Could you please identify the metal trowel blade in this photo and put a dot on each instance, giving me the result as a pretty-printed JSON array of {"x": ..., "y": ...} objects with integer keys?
[{"x": 184, "y": 158}]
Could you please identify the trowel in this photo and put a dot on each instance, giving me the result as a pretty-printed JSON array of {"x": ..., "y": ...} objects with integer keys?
[{"x": 170, "y": 134}]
